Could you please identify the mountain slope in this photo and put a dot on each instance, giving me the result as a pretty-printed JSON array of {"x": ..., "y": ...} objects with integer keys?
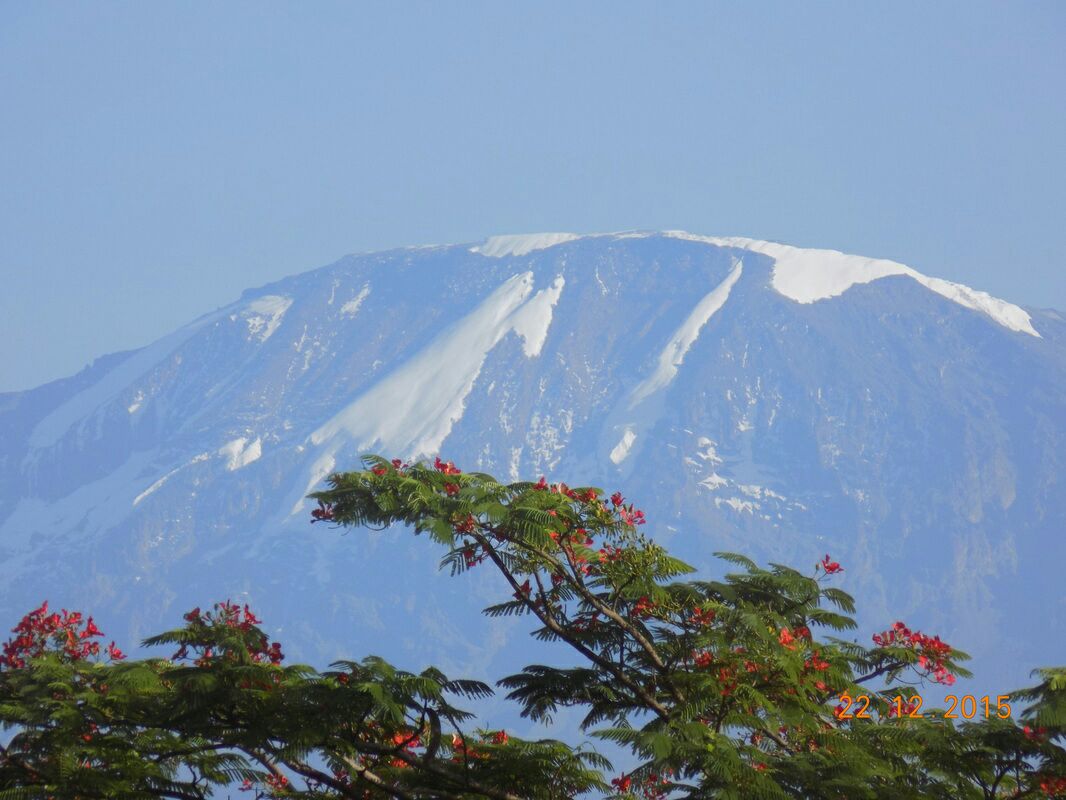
[{"x": 752, "y": 396}]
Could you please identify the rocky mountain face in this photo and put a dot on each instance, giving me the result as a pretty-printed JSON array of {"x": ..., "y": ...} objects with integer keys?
[{"x": 753, "y": 397}]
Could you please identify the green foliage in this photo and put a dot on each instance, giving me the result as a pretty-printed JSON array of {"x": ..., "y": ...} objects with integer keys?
[{"x": 725, "y": 688}]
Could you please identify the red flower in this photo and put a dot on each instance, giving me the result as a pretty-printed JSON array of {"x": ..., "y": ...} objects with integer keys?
[
  {"x": 445, "y": 467},
  {"x": 831, "y": 567},
  {"x": 471, "y": 557},
  {"x": 114, "y": 653},
  {"x": 451, "y": 489},
  {"x": 643, "y": 607},
  {"x": 1034, "y": 736},
  {"x": 622, "y": 783},
  {"x": 523, "y": 591},
  {"x": 90, "y": 630},
  {"x": 816, "y": 662},
  {"x": 406, "y": 739},
  {"x": 702, "y": 617},
  {"x": 1053, "y": 787},
  {"x": 323, "y": 513}
]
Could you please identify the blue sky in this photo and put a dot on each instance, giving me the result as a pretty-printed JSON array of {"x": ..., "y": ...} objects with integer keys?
[{"x": 158, "y": 158}]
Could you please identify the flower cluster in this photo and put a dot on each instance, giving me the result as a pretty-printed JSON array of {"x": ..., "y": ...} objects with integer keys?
[
  {"x": 1034, "y": 734},
  {"x": 463, "y": 750},
  {"x": 446, "y": 467},
  {"x": 274, "y": 783},
  {"x": 64, "y": 632},
  {"x": 790, "y": 639},
  {"x": 816, "y": 662},
  {"x": 626, "y": 512},
  {"x": 655, "y": 786},
  {"x": 932, "y": 652},
  {"x": 643, "y": 608},
  {"x": 701, "y": 617},
  {"x": 587, "y": 496},
  {"x": 230, "y": 615},
  {"x": 1053, "y": 787}
]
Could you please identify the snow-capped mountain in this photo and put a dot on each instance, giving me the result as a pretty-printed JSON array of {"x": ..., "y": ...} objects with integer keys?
[{"x": 751, "y": 396}]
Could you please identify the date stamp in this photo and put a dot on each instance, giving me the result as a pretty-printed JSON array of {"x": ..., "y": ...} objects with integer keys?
[{"x": 965, "y": 706}]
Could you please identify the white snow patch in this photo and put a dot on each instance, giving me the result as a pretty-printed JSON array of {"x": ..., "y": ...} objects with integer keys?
[
  {"x": 674, "y": 353},
  {"x": 263, "y": 315},
  {"x": 621, "y": 450},
  {"x": 708, "y": 450},
  {"x": 411, "y": 411},
  {"x": 138, "y": 399},
  {"x": 544, "y": 442},
  {"x": 165, "y": 478},
  {"x": 521, "y": 244},
  {"x": 240, "y": 452},
  {"x": 808, "y": 275},
  {"x": 599, "y": 280},
  {"x": 714, "y": 481},
  {"x": 532, "y": 320},
  {"x": 351, "y": 308},
  {"x": 760, "y": 492},
  {"x": 738, "y": 505},
  {"x": 153, "y": 487}
]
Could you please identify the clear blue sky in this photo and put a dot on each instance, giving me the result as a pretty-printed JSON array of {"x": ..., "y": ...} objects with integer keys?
[{"x": 158, "y": 158}]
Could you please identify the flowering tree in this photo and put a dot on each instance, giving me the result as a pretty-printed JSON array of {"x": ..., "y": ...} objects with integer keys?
[{"x": 720, "y": 688}]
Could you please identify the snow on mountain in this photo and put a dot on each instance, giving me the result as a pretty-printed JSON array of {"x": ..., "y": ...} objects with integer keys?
[
  {"x": 751, "y": 396},
  {"x": 673, "y": 354},
  {"x": 241, "y": 452},
  {"x": 521, "y": 244},
  {"x": 263, "y": 315},
  {"x": 810, "y": 275},
  {"x": 351, "y": 307},
  {"x": 411, "y": 412}
]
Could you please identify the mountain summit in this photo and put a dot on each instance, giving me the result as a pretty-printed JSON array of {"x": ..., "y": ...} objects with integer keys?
[{"x": 751, "y": 396}]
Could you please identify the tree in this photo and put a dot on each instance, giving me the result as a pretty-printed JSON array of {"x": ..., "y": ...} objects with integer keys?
[{"x": 721, "y": 688}]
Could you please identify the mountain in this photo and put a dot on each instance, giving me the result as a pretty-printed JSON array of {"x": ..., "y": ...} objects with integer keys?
[{"x": 750, "y": 396}]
